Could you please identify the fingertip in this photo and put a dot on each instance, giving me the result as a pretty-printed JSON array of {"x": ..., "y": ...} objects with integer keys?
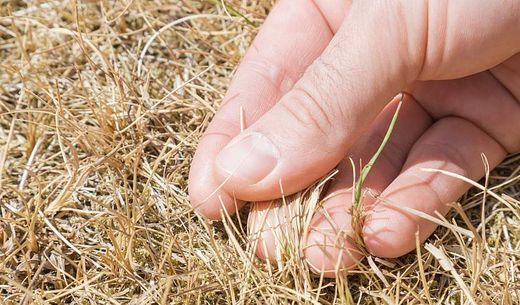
[
  {"x": 248, "y": 158},
  {"x": 390, "y": 225},
  {"x": 413, "y": 202},
  {"x": 212, "y": 205},
  {"x": 266, "y": 225},
  {"x": 330, "y": 248},
  {"x": 388, "y": 235},
  {"x": 324, "y": 258},
  {"x": 206, "y": 194}
]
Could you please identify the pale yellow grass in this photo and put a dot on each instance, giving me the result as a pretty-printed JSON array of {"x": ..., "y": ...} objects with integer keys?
[{"x": 101, "y": 107}]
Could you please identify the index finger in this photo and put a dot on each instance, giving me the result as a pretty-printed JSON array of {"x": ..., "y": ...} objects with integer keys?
[{"x": 292, "y": 37}]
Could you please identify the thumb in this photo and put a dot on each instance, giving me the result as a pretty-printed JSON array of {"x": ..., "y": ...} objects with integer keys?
[
  {"x": 310, "y": 129},
  {"x": 380, "y": 49}
]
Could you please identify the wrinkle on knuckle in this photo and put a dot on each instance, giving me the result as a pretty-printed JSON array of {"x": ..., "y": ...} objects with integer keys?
[
  {"x": 449, "y": 153},
  {"x": 221, "y": 127},
  {"x": 329, "y": 80},
  {"x": 273, "y": 73},
  {"x": 324, "y": 70},
  {"x": 309, "y": 111},
  {"x": 515, "y": 148},
  {"x": 393, "y": 154},
  {"x": 409, "y": 23},
  {"x": 426, "y": 182},
  {"x": 510, "y": 141}
]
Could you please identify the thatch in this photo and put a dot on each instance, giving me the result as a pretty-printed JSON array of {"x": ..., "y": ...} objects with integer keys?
[{"x": 101, "y": 107}]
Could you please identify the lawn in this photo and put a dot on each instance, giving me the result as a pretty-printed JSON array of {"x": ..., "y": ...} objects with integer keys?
[{"x": 102, "y": 104}]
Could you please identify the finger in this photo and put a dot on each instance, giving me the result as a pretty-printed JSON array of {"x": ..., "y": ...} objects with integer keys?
[
  {"x": 508, "y": 73},
  {"x": 481, "y": 99},
  {"x": 469, "y": 36},
  {"x": 310, "y": 130},
  {"x": 270, "y": 218},
  {"x": 331, "y": 244},
  {"x": 451, "y": 144},
  {"x": 293, "y": 35}
]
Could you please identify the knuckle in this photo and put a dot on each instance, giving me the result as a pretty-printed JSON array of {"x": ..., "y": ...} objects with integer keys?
[
  {"x": 427, "y": 187},
  {"x": 449, "y": 151},
  {"x": 450, "y": 154},
  {"x": 326, "y": 71},
  {"x": 221, "y": 126},
  {"x": 310, "y": 111},
  {"x": 393, "y": 154},
  {"x": 274, "y": 73},
  {"x": 407, "y": 26}
]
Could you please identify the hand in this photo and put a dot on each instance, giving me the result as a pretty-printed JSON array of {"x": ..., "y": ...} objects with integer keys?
[{"x": 315, "y": 88}]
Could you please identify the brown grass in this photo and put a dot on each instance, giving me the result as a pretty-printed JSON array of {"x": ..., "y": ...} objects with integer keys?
[{"x": 95, "y": 146}]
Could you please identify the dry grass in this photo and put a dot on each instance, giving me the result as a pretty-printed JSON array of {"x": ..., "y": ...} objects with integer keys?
[{"x": 95, "y": 146}]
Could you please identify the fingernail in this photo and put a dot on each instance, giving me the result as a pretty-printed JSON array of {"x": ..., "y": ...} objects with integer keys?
[{"x": 251, "y": 158}]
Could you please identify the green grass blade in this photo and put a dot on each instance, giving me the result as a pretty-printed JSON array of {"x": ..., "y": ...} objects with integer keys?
[
  {"x": 234, "y": 12},
  {"x": 366, "y": 169}
]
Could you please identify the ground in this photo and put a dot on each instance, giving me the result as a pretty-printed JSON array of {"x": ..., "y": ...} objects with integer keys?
[{"x": 101, "y": 107}]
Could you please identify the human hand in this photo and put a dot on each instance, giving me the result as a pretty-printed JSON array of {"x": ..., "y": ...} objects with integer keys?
[{"x": 315, "y": 88}]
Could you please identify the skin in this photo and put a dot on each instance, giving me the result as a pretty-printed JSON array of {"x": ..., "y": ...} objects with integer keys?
[{"x": 317, "y": 86}]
